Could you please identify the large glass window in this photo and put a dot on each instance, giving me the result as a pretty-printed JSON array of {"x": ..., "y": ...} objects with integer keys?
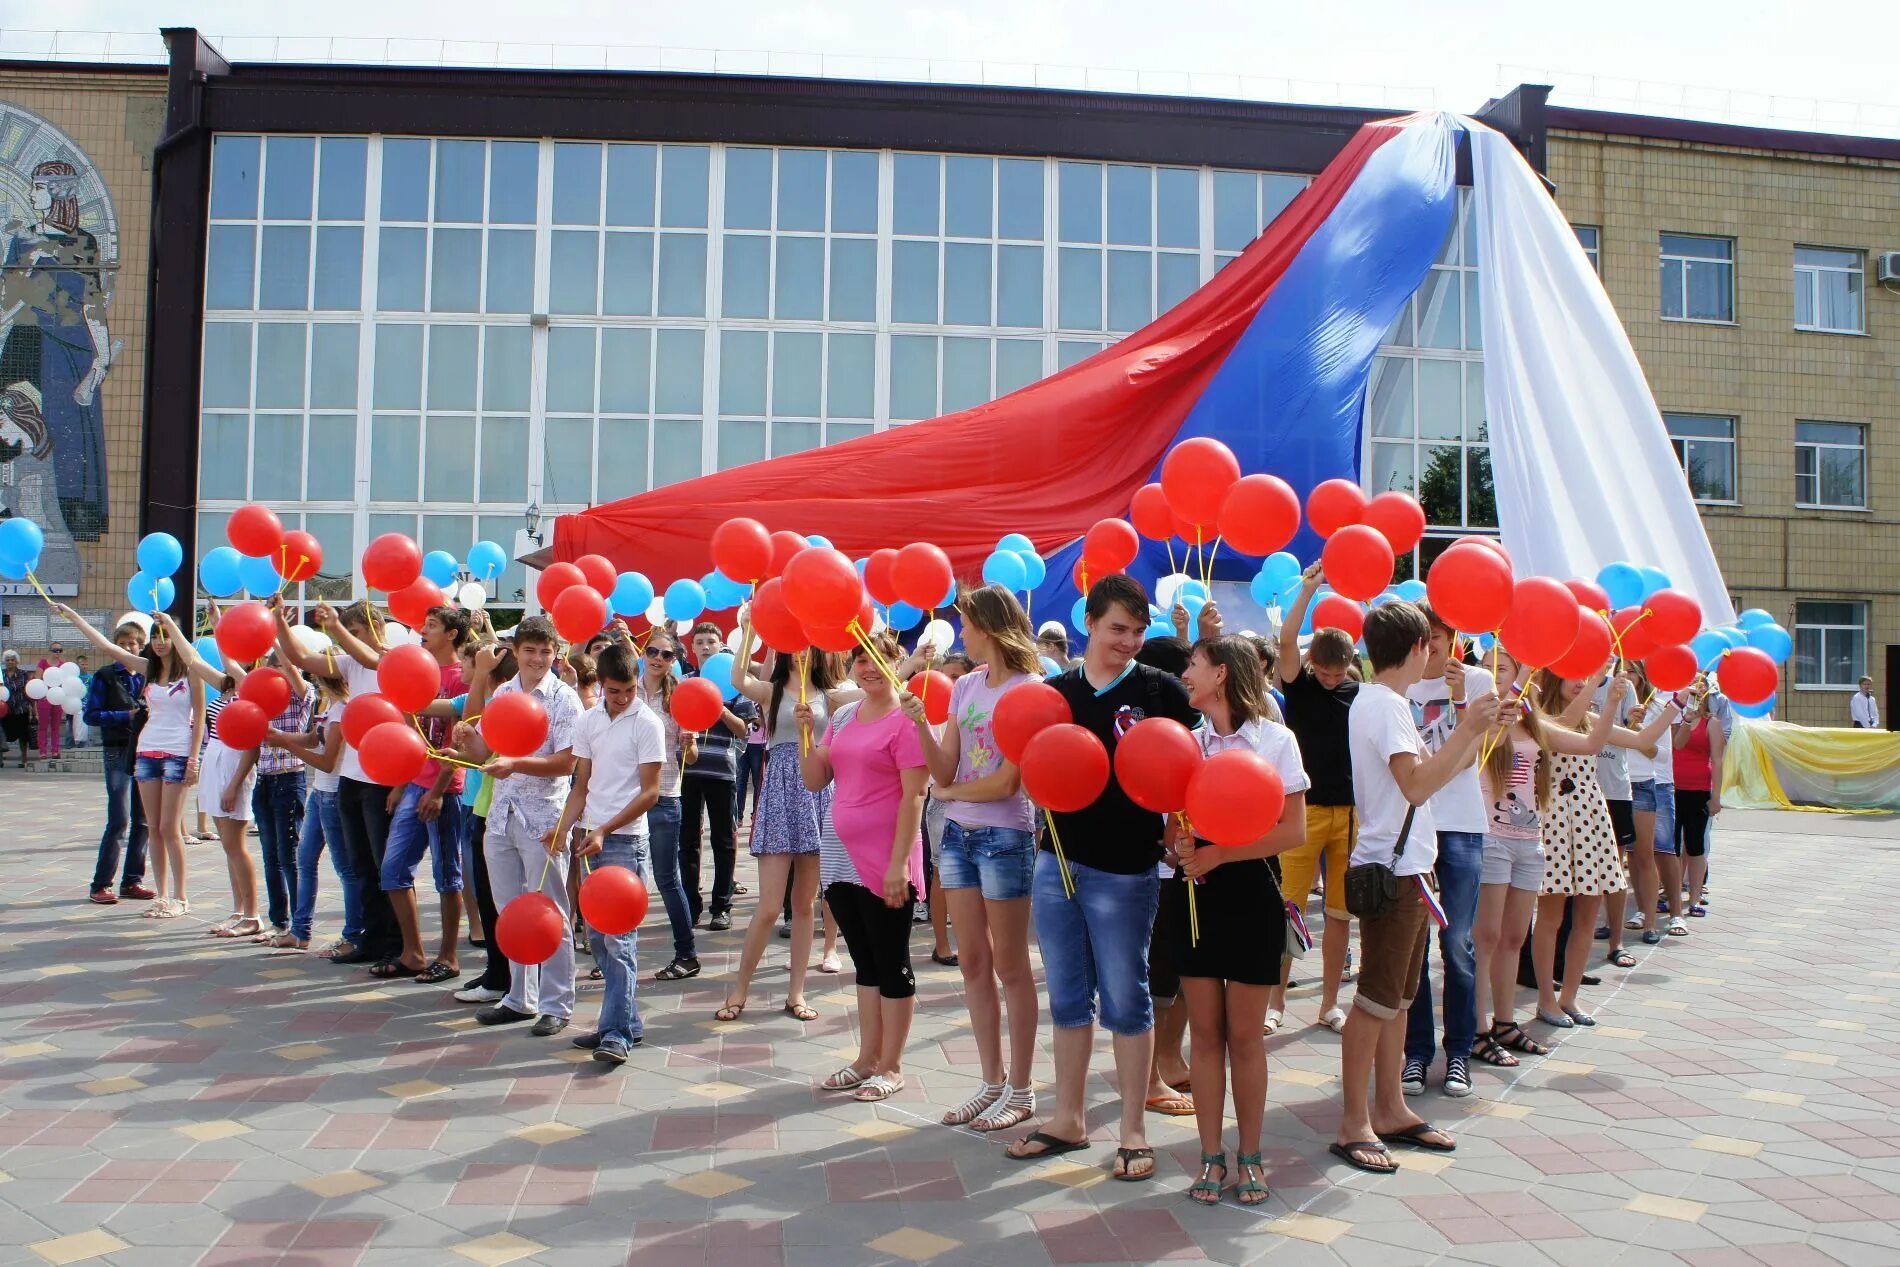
[
  {"x": 1830, "y": 645},
  {"x": 1828, "y": 283},
  {"x": 1830, "y": 465},
  {"x": 1705, "y": 445},
  {"x": 1698, "y": 278}
]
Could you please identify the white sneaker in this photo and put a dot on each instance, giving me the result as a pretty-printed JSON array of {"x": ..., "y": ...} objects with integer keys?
[{"x": 479, "y": 994}]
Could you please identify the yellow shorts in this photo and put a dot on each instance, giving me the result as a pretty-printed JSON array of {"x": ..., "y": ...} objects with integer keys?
[{"x": 1330, "y": 831}]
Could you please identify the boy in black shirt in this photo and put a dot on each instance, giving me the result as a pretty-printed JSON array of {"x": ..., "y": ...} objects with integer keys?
[{"x": 706, "y": 789}]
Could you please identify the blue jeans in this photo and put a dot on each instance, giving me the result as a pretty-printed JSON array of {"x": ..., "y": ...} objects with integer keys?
[
  {"x": 1460, "y": 864},
  {"x": 1001, "y": 861},
  {"x": 663, "y": 837},
  {"x": 125, "y": 825},
  {"x": 1665, "y": 835},
  {"x": 614, "y": 956},
  {"x": 277, "y": 806},
  {"x": 410, "y": 838},
  {"x": 1096, "y": 944},
  {"x": 323, "y": 825}
]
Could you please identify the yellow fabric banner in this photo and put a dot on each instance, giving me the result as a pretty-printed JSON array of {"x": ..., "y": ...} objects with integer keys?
[{"x": 1778, "y": 765}]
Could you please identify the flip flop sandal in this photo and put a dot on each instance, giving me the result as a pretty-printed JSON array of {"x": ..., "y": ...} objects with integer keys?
[
  {"x": 1621, "y": 958},
  {"x": 846, "y": 1079},
  {"x": 1351, "y": 1155},
  {"x": 238, "y": 930},
  {"x": 1128, "y": 1157},
  {"x": 730, "y": 1012},
  {"x": 1051, "y": 1146},
  {"x": 1171, "y": 1105},
  {"x": 1415, "y": 1136},
  {"x": 436, "y": 973},
  {"x": 389, "y": 969},
  {"x": 1334, "y": 1019},
  {"x": 800, "y": 1012}
]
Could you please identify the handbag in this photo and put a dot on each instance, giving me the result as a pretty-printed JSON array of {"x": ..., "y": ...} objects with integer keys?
[
  {"x": 1299, "y": 939},
  {"x": 1373, "y": 887}
]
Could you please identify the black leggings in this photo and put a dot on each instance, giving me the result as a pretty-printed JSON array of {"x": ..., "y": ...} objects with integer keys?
[
  {"x": 877, "y": 937},
  {"x": 495, "y": 971},
  {"x": 364, "y": 809},
  {"x": 1692, "y": 822}
]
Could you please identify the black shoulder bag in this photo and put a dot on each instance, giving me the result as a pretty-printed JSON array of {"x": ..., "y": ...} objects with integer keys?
[{"x": 1372, "y": 887}]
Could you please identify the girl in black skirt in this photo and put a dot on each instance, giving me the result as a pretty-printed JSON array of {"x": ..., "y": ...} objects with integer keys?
[{"x": 1227, "y": 975}]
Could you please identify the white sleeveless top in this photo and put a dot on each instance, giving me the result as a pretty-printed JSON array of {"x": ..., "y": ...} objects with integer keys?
[{"x": 167, "y": 719}]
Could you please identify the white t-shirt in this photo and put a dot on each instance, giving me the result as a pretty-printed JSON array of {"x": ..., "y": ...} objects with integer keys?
[
  {"x": 1613, "y": 763},
  {"x": 617, "y": 747},
  {"x": 1379, "y": 727},
  {"x": 1459, "y": 805},
  {"x": 1660, "y": 768},
  {"x": 319, "y": 780},
  {"x": 361, "y": 682}
]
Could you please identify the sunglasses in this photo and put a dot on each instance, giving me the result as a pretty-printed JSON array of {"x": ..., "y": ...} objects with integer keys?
[{"x": 661, "y": 653}]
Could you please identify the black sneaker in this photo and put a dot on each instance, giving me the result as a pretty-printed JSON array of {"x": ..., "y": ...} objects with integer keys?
[
  {"x": 1457, "y": 1077},
  {"x": 1412, "y": 1081},
  {"x": 720, "y": 923},
  {"x": 611, "y": 1051},
  {"x": 586, "y": 1042},
  {"x": 501, "y": 1014},
  {"x": 548, "y": 1026}
]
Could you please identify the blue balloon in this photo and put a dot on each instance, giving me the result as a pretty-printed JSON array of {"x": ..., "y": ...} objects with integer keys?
[
  {"x": 440, "y": 566},
  {"x": 1290, "y": 594},
  {"x": 817, "y": 540},
  {"x": 1263, "y": 590},
  {"x": 207, "y": 649},
  {"x": 20, "y": 542},
  {"x": 1654, "y": 579},
  {"x": 684, "y": 600},
  {"x": 1484, "y": 642},
  {"x": 861, "y": 564},
  {"x": 150, "y": 593},
  {"x": 718, "y": 671},
  {"x": 1005, "y": 568},
  {"x": 218, "y": 572},
  {"x": 902, "y": 616},
  {"x": 160, "y": 554},
  {"x": 1773, "y": 640},
  {"x": 486, "y": 561},
  {"x": 1049, "y": 667},
  {"x": 1755, "y": 616},
  {"x": 1623, "y": 582},
  {"x": 1762, "y": 709},
  {"x": 1708, "y": 647},
  {"x": 1411, "y": 591},
  {"x": 1079, "y": 614},
  {"x": 1017, "y": 542},
  {"x": 1732, "y": 635},
  {"x": 949, "y": 596},
  {"x": 1382, "y": 598},
  {"x": 1193, "y": 603},
  {"x": 260, "y": 576},
  {"x": 632, "y": 595},
  {"x": 12, "y": 571},
  {"x": 1191, "y": 588},
  {"x": 722, "y": 592},
  {"x": 1159, "y": 629},
  {"x": 1035, "y": 567},
  {"x": 1281, "y": 568}
]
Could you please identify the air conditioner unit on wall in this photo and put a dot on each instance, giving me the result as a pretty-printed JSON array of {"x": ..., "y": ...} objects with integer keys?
[{"x": 1889, "y": 266}]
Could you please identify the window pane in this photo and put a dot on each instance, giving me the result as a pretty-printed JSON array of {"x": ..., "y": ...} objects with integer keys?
[
  {"x": 1441, "y": 406},
  {"x": 1019, "y": 198},
  {"x": 448, "y": 464},
  {"x": 1277, "y": 193},
  {"x": 746, "y": 280},
  {"x": 510, "y": 270},
  {"x": 1391, "y": 411},
  {"x": 229, "y": 266},
  {"x": 850, "y": 378},
  {"x": 1700, "y": 425},
  {"x": 394, "y": 461},
  {"x": 277, "y": 458},
  {"x": 1236, "y": 213},
  {"x": 1180, "y": 276},
  {"x": 1827, "y": 433},
  {"x": 339, "y": 267},
  {"x": 1018, "y": 364},
  {"x": 1130, "y": 290},
  {"x": 1477, "y": 428},
  {"x": 405, "y": 523},
  {"x": 399, "y": 269},
  {"x": 853, "y": 279},
  {"x": 681, "y": 358},
  {"x": 333, "y": 366},
  {"x": 797, "y": 365},
  {"x": 966, "y": 373},
  {"x": 1710, "y": 297},
  {"x": 455, "y": 273},
  {"x": 1440, "y": 317},
  {"x": 740, "y": 443},
  {"x": 966, "y": 284},
  {"x": 576, "y": 184},
  {"x": 630, "y": 184},
  {"x": 571, "y": 370},
  {"x": 398, "y": 367},
  {"x": 458, "y": 180},
  {"x": 504, "y": 459},
  {"x": 1070, "y": 352},
  {"x": 452, "y": 367},
  {"x": 332, "y": 475},
  {"x": 801, "y": 190},
  {"x": 506, "y": 369},
  {"x": 624, "y": 358},
  {"x": 288, "y": 171},
  {"x": 914, "y": 282},
  {"x": 794, "y": 437},
  {"x": 967, "y": 196},
  {"x": 675, "y": 452},
  {"x": 853, "y": 192},
  {"x": 510, "y": 586},
  {"x": 748, "y": 189},
  {"x": 1391, "y": 468},
  {"x": 622, "y": 467},
  {"x": 683, "y": 186},
  {"x": 284, "y": 272},
  {"x": 1825, "y": 257},
  {"x": 1178, "y": 206},
  {"x": 1698, "y": 248},
  {"x": 628, "y": 275},
  {"x": 1441, "y": 479},
  {"x": 682, "y": 274},
  {"x": 227, "y": 363},
  {"x": 1474, "y": 312},
  {"x": 1130, "y": 209},
  {"x": 742, "y": 372},
  {"x": 800, "y": 290},
  {"x": 336, "y": 533},
  {"x": 574, "y": 271},
  {"x": 514, "y": 169},
  {"x": 280, "y": 350},
  {"x": 1672, "y": 288},
  {"x": 839, "y": 432},
  {"x": 1805, "y": 284},
  {"x": 914, "y": 193},
  {"x": 452, "y": 533},
  {"x": 913, "y": 376},
  {"x": 1019, "y": 286},
  {"x": 223, "y": 450},
  {"x": 234, "y": 171},
  {"x": 405, "y": 179},
  {"x": 1079, "y": 201},
  {"x": 1841, "y": 477},
  {"x": 1079, "y": 289}
]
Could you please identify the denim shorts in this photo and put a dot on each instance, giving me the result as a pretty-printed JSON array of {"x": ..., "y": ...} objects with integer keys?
[
  {"x": 1643, "y": 795},
  {"x": 1665, "y": 835},
  {"x": 1095, "y": 945},
  {"x": 154, "y": 769},
  {"x": 999, "y": 860},
  {"x": 410, "y": 839},
  {"x": 1514, "y": 861}
]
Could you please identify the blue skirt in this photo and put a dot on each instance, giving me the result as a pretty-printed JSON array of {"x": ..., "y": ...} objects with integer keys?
[{"x": 790, "y": 817}]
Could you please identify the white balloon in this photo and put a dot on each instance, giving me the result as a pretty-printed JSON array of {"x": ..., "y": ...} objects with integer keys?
[
  {"x": 656, "y": 612},
  {"x": 36, "y": 689},
  {"x": 70, "y": 670},
  {"x": 877, "y": 622},
  {"x": 72, "y": 706},
  {"x": 395, "y": 635},
  {"x": 472, "y": 596},
  {"x": 69, "y": 695},
  {"x": 1168, "y": 588},
  {"x": 5, "y": 695},
  {"x": 732, "y": 640},
  {"x": 140, "y": 619},
  {"x": 939, "y": 635},
  {"x": 310, "y": 641}
]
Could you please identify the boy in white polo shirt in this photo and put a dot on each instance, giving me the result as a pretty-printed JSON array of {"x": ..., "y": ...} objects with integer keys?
[{"x": 619, "y": 747}]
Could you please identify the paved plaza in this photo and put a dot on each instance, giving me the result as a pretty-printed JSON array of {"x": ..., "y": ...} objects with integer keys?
[{"x": 166, "y": 1099}]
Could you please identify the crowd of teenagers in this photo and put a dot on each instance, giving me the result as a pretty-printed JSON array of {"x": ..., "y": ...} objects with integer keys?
[{"x": 1521, "y": 815}]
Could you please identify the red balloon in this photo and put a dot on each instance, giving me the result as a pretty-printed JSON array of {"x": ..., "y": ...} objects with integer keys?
[
  {"x": 245, "y": 633},
  {"x": 1235, "y": 798},
  {"x": 242, "y": 724},
  {"x": 1470, "y": 589},
  {"x": 838, "y": 640},
  {"x": 742, "y": 550},
  {"x": 1634, "y": 640},
  {"x": 1590, "y": 595},
  {"x": 1111, "y": 545},
  {"x": 598, "y": 571},
  {"x": 1358, "y": 561},
  {"x": 880, "y": 575},
  {"x": 1747, "y": 675},
  {"x": 1193, "y": 533},
  {"x": 255, "y": 530},
  {"x": 269, "y": 689},
  {"x": 1152, "y": 516},
  {"x": 412, "y": 602},
  {"x": 1195, "y": 477},
  {"x": 555, "y": 580},
  {"x": 697, "y": 704},
  {"x": 4, "y": 710},
  {"x": 1398, "y": 517},
  {"x": 933, "y": 688},
  {"x": 1490, "y": 543},
  {"x": 530, "y": 928},
  {"x": 1154, "y": 762},
  {"x": 1542, "y": 623},
  {"x": 579, "y": 613},
  {"x": 784, "y": 546},
  {"x": 923, "y": 575},
  {"x": 1259, "y": 515},
  {"x": 1673, "y": 617},
  {"x": 613, "y": 900},
  {"x": 773, "y": 621},
  {"x": 1065, "y": 768},
  {"x": 365, "y": 713},
  {"x": 391, "y": 562},
  {"x": 393, "y": 754},
  {"x": 822, "y": 587},
  {"x": 1590, "y": 651},
  {"x": 1671, "y": 668},
  {"x": 299, "y": 556},
  {"x": 1024, "y": 711},
  {"x": 1334, "y": 504},
  {"x": 515, "y": 724},
  {"x": 409, "y": 678},
  {"x": 1334, "y": 611}
]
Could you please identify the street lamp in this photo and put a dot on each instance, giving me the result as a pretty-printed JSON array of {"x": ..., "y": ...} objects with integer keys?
[{"x": 533, "y": 517}]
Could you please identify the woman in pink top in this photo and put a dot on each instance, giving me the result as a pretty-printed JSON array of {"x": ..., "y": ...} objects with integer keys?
[
  {"x": 871, "y": 862},
  {"x": 1700, "y": 745}
]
